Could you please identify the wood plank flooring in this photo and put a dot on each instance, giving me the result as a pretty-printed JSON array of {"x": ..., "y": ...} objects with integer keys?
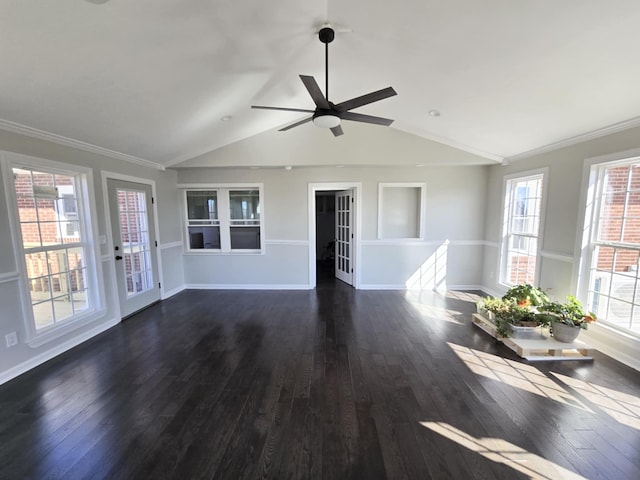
[{"x": 326, "y": 384}]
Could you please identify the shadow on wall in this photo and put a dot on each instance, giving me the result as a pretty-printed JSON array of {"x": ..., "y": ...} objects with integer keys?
[{"x": 432, "y": 274}]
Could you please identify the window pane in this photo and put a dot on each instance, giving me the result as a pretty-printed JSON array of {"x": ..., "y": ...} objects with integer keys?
[
  {"x": 244, "y": 205},
  {"x": 204, "y": 237},
  {"x": 245, "y": 238},
  {"x": 202, "y": 205},
  {"x": 80, "y": 301},
  {"x": 43, "y": 314}
]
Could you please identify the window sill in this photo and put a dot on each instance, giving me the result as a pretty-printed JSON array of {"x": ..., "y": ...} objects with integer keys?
[
  {"x": 52, "y": 333},
  {"x": 221, "y": 253}
]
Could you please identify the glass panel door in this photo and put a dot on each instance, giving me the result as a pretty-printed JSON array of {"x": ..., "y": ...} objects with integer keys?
[{"x": 134, "y": 245}]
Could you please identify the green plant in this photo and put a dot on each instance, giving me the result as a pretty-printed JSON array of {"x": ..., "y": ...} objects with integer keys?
[
  {"x": 507, "y": 311},
  {"x": 526, "y": 294},
  {"x": 492, "y": 304},
  {"x": 514, "y": 314},
  {"x": 570, "y": 313}
]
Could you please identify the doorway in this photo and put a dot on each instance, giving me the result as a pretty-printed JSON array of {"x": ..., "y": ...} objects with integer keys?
[
  {"x": 134, "y": 244},
  {"x": 334, "y": 237}
]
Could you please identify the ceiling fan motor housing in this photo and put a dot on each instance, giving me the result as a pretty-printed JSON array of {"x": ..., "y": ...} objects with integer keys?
[{"x": 326, "y": 34}]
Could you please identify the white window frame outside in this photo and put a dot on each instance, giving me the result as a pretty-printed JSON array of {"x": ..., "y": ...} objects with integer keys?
[
  {"x": 507, "y": 210},
  {"x": 421, "y": 207},
  {"x": 224, "y": 218},
  {"x": 592, "y": 197},
  {"x": 86, "y": 212}
]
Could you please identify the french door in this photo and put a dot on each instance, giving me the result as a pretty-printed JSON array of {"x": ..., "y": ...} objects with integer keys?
[
  {"x": 344, "y": 236},
  {"x": 134, "y": 243}
]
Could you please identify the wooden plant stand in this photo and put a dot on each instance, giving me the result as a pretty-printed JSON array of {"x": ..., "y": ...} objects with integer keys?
[{"x": 537, "y": 349}]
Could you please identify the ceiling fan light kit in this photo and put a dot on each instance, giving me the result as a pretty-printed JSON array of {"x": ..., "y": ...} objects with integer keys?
[
  {"x": 330, "y": 115},
  {"x": 326, "y": 120}
]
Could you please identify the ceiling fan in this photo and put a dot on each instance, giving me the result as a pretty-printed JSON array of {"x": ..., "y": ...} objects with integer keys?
[{"x": 330, "y": 115}]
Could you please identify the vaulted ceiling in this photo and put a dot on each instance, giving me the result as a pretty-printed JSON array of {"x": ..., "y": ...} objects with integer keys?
[{"x": 166, "y": 80}]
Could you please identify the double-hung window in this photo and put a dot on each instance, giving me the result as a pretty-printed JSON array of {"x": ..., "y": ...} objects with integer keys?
[
  {"x": 225, "y": 219},
  {"x": 521, "y": 229},
  {"x": 53, "y": 235},
  {"x": 611, "y": 247}
]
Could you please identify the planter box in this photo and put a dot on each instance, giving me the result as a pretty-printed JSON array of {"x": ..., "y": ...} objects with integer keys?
[
  {"x": 486, "y": 314},
  {"x": 528, "y": 333}
]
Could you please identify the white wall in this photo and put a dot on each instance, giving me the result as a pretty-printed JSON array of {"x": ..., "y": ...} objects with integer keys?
[
  {"x": 561, "y": 229},
  {"x": 22, "y": 357},
  {"x": 454, "y": 214}
]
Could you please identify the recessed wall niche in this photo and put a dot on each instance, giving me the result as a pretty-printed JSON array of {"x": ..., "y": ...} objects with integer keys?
[{"x": 401, "y": 210}]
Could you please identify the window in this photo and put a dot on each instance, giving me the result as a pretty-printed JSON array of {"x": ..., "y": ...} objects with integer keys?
[
  {"x": 521, "y": 229},
  {"x": 612, "y": 239},
  {"x": 224, "y": 219},
  {"x": 401, "y": 210},
  {"x": 203, "y": 222},
  {"x": 51, "y": 226},
  {"x": 245, "y": 219}
]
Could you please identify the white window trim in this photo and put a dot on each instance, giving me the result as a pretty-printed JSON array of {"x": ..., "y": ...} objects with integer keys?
[
  {"x": 504, "y": 244},
  {"x": 590, "y": 198},
  {"x": 421, "y": 216},
  {"x": 582, "y": 256},
  {"x": 87, "y": 210},
  {"x": 223, "y": 217}
]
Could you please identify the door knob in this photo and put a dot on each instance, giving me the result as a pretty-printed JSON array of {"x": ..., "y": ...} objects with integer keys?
[{"x": 118, "y": 257}]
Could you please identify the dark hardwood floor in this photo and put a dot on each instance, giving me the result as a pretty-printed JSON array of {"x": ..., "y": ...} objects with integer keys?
[{"x": 332, "y": 383}]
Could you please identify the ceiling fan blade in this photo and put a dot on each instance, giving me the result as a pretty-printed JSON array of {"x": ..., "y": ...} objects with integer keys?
[
  {"x": 360, "y": 117},
  {"x": 284, "y": 109},
  {"x": 301, "y": 122},
  {"x": 337, "y": 131},
  {"x": 366, "y": 99},
  {"x": 315, "y": 92}
]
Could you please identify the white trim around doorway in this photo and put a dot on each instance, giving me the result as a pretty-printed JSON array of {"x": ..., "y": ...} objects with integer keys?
[
  {"x": 105, "y": 176},
  {"x": 357, "y": 195}
]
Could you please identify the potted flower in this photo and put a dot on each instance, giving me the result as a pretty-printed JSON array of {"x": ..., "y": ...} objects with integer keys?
[
  {"x": 566, "y": 319},
  {"x": 526, "y": 295}
]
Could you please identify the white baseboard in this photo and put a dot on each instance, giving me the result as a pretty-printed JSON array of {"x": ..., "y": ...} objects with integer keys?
[
  {"x": 490, "y": 291},
  {"x": 216, "y": 286},
  {"x": 466, "y": 287},
  {"x": 55, "y": 351},
  {"x": 171, "y": 293},
  {"x": 617, "y": 345},
  {"x": 377, "y": 286}
]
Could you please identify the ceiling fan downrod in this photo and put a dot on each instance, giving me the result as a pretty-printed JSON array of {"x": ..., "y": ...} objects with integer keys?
[{"x": 326, "y": 36}]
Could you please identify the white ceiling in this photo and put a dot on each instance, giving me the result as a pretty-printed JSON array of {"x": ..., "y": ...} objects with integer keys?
[{"x": 152, "y": 79}]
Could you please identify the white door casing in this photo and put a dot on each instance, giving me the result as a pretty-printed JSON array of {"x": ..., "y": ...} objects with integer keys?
[
  {"x": 134, "y": 243},
  {"x": 344, "y": 236},
  {"x": 355, "y": 253}
]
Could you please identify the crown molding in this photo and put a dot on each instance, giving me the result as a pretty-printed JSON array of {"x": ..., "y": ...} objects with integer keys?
[
  {"x": 70, "y": 142},
  {"x": 399, "y": 125},
  {"x": 601, "y": 132}
]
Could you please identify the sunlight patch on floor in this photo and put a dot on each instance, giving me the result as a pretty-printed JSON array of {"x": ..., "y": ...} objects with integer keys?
[
  {"x": 621, "y": 406},
  {"x": 515, "y": 374},
  {"x": 503, "y": 452},
  {"x": 432, "y": 311}
]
